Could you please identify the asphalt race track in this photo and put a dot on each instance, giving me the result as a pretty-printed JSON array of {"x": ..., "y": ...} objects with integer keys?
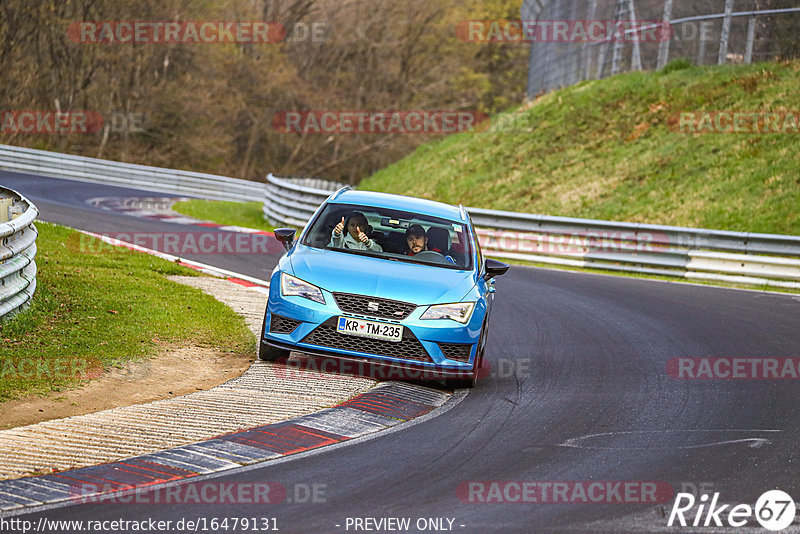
[
  {"x": 64, "y": 202},
  {"x": 578, "y": 391}
]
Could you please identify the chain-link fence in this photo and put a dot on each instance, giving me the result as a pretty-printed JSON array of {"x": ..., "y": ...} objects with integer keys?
[{"x": 704, "y": 32}]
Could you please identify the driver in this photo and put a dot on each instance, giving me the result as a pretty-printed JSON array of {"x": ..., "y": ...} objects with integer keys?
[
  {"x": 417, "y": 240},
  {"x": 355, "y": 238}
]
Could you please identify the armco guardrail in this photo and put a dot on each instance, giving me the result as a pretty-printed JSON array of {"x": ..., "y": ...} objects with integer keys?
[
  {"x": 17, "y": 252},
  {"x": 293, "y": 201},
  {"x": 744, "y": 258},
  {"x": 57, "y": 165}
]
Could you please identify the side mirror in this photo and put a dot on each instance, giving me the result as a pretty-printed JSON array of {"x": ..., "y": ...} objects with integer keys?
[
  {"x": 285, "y": 236},
  {"x": 495, "y": 268}
]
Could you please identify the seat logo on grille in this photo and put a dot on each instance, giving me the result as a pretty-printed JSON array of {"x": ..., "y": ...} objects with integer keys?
[{"x": 373, "y": 306}]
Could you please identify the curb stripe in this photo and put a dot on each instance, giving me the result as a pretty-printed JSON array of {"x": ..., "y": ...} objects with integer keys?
[
  {"x": 350, "y": 422},
  {"x": 288, "y": 438},
  {"x": 172, "y": 472},
  {"x": 385, "y": 406},
  {"x": 17, "y": 500},
  {"x": 76, "y": 478}
]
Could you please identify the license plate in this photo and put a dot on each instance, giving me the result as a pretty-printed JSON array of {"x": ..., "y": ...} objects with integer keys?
[{"x": 370, "y": 329}]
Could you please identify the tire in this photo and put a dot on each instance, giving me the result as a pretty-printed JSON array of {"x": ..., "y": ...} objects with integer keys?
[
  {"x": 268, "y": 353},
  {"x": 462, "y": 383},
  {"x": 468, "y": 383}
]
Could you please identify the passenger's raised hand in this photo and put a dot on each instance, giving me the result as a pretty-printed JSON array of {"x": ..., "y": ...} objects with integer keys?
[
  {"x": 361, "y": 235},
  {"x": 339, "y": 227}
]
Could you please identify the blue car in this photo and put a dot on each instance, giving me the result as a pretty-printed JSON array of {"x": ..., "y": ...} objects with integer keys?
[{"x": 387, "y": 280}]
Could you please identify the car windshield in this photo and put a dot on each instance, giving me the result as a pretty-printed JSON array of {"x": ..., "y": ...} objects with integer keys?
[{"x": 391, "y": 234}]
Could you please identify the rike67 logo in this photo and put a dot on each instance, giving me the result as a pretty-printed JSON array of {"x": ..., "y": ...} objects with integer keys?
[{"x": 774, "y": 510}]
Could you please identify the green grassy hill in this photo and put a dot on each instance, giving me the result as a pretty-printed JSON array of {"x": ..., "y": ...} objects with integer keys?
[{"x": 612, "y": 149}]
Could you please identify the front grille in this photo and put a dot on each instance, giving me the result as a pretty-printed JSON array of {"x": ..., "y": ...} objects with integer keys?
[
  {"x": 326, "y": 335},
  {"x": 373, "y": 306},
  {"x": 456, "y": 351},
  {"x": 282, "y": 325}
]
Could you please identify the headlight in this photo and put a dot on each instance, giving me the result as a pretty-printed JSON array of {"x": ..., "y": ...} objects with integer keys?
[
  {"x": 458, "y": 311},
  {"x": 293, "y": 286}
]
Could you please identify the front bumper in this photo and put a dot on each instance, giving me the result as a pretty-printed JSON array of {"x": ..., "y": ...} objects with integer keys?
[
  {"x": 370, "y": 367},
  {"x": 309, "y": 327}
]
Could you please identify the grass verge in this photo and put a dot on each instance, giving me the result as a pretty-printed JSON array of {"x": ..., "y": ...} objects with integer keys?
[
  {"x": 246, "y": 214},
  {"x": 612, "y": 149},
  {"x": 97, "y": 306}
]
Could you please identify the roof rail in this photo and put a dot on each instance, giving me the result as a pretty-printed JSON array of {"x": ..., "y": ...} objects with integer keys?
[{"x": 340, "y": 191}]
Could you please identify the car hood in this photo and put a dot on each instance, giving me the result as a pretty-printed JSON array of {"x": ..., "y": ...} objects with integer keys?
[{"x": 396, "y": 280}]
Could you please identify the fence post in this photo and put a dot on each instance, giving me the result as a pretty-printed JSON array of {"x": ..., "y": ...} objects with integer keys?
[
  {"x": 636, "y": 55},
  {"x": 619, "y": 37},
  {"x": 726, "y": 33},
  {"x": 586, "y": 52},
  {"x": 751, "y": 37},
  {"x": 701, "y": 50},
  {"x": 663, "y": 47},
  {"x": 601, "y": 58}
]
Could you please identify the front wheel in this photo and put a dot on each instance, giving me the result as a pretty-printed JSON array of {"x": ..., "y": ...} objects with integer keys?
[
  {"x": 462, "y": 383},
  {"x": 269, "y": 353},
  {"x": 468, "y": 383}
]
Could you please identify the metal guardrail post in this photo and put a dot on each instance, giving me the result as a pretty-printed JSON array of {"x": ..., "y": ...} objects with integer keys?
[{"x": 17, "y": 251}]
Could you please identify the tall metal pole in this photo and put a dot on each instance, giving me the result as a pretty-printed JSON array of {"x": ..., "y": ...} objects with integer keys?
[
  {"x": 619, "y": 37},
  {"x": 585, "y": 53},
  {"x": 663, "y": 47},
  {"x": 636, "y": 57},
  {"x": 701, "y": 51},
  {"x": 726, "y": 33},
  {"x": 751, "y": 37}
]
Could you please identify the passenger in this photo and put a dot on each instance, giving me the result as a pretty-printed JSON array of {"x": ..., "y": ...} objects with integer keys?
[{"x": 355, "y": 238}]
